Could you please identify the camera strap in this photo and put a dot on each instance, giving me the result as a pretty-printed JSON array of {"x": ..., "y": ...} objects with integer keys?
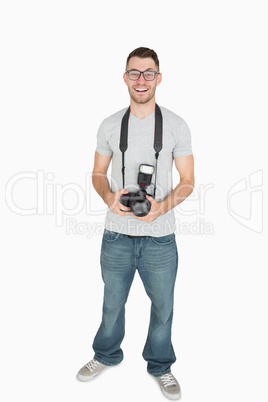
[{"x": 158, "y": 139}]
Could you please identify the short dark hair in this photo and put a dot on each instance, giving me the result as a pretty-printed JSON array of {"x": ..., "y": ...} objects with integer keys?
[{"x": 144, "y": 52}]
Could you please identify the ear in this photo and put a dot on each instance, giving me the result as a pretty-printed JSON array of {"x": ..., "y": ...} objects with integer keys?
[
  {"x": 159, "y": 79},
  {"x": 125, "y": 78}
]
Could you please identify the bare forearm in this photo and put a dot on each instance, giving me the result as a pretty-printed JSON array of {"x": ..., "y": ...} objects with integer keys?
[
  {"x": 102, "y": 186},
  {"x": 178, "y": 195}
]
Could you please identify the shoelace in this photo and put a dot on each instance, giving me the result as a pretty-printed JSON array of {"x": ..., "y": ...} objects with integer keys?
[
  {"x": 168, "y": 379},
  {"x": 92, "y": 365}
]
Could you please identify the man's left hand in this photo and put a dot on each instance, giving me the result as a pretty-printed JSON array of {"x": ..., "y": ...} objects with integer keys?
[{"x": 155, "y": 212}]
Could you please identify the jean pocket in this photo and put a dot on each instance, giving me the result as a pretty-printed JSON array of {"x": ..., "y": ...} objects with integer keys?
[
  {"x": 164, "y": 240},
  {"x": 110, "y": 236}
]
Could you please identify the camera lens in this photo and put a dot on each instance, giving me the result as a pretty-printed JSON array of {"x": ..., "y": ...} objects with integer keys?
[{"x": 140, "y": 207}]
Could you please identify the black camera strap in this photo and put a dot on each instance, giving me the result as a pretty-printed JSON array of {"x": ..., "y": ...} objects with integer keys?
[{"x": 158, "y": 139}]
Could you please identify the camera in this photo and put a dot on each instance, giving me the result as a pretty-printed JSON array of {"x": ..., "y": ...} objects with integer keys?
[{"x": 137, "y": 201}]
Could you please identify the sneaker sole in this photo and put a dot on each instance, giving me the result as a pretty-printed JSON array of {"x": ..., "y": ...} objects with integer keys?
[
  {"x": 170, "y": 396},
  {"x": 89, "y": 378}
]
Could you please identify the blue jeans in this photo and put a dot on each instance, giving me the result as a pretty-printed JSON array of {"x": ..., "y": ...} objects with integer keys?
[{"x": 156, "y": 260}]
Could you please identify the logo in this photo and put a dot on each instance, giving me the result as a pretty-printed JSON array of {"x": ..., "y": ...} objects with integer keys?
[{"x": 245, "y": 201}]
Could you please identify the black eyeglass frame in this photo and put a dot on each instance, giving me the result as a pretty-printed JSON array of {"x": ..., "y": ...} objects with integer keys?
[{"x": 142, "y": 72}]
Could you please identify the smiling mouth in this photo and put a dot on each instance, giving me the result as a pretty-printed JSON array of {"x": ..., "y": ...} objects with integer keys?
[{"x": 141, "y": 90}]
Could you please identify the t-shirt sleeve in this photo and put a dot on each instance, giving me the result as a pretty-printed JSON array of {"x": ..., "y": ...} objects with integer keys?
[
  {"x": 183, "y": 145},
  {"x": 103, "y": 146}
]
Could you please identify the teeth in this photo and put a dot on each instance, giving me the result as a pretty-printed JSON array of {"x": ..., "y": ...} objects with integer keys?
[{"x": 141, "y": 89}]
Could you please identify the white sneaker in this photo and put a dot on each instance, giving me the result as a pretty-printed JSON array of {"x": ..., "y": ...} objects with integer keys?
[
  {"x": 169, "y": 386},
  {"x": 90, "y": 370}
]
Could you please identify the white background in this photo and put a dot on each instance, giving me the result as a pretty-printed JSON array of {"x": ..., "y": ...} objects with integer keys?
[{"x": 61, "y": 75}]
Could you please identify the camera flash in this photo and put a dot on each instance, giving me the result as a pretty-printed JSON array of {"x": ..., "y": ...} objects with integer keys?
[{"x": 147, "y": 169}]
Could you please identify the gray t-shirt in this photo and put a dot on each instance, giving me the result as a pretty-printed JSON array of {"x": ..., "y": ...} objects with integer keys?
[{"x": 176, "y": 143}]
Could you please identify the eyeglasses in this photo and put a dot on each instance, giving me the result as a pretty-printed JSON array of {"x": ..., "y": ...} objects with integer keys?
[{"x": 134, "y": 75}]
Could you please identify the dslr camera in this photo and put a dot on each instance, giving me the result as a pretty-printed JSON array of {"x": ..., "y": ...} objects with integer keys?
[{"x": 137, "y": 201}]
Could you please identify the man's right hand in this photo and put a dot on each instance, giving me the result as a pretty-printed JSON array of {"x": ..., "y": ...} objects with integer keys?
[{"x": 113, "y": 202}]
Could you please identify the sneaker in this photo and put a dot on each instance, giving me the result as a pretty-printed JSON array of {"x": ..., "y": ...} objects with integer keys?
[
  {"x": 91, "y": 370},
  {"x": 169, "y": 386}
]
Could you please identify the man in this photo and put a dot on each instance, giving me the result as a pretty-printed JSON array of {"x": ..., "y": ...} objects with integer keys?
[{"x": 142, "y": 242}]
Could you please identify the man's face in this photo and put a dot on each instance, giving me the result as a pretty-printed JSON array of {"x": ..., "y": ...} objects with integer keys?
[{"x": 142, "y": 91}]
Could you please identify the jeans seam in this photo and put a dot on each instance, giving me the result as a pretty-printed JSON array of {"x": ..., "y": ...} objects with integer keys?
[
  {"x": 161, "y": 374},
  {"x": 106, "y": 363}
]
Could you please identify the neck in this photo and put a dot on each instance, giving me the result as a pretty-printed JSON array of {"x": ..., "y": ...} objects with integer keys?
[{"x": 142, "y": 110}]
